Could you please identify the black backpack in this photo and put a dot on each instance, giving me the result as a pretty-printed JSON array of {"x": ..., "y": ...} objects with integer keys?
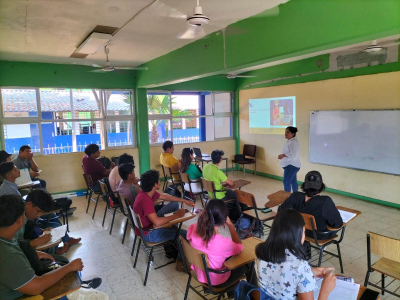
[{"x": 105, "y": 161}]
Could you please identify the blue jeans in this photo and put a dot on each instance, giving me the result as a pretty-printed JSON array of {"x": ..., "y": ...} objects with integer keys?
[
  {"x": 54, "y": 222},
  {"x": 290, "y": 178}
]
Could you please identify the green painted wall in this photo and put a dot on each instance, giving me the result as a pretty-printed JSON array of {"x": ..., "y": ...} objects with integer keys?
[
  {"x": 14, "y": 73},
  {"x": 214, "y": 83},
  {"x": 302, "y": 27},
  {"x": 142, "y": 129}
]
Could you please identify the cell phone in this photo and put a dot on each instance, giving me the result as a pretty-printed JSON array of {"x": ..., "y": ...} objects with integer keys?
[
  {"x": 369, "y": 295},
  {"x": 266, "y": 210}
]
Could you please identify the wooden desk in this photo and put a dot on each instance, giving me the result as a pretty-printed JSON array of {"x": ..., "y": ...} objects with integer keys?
[
  {"x": 176, "y": 221},
  {"x": 248, "y": 254},
  {"x": 361, "y": 291},
  {"x": 357, "y": 212},
  {"x": 47, "y": 246},
  {"x": 208, "y": 159},
  {"x": 36, "y": 182},
  {"x": 238, "y": 184},
  {"x": 70, "y": 283},
  {"x": 277, "y": 198}
]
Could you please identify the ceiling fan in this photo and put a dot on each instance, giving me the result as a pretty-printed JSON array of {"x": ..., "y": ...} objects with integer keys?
[{"x": 109, "y": 68}]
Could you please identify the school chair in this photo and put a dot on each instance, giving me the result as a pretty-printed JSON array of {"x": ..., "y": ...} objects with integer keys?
[
  {"x": 89, "y": 185},
  {"x": 389, "y": 263},
  {"x": 184, "y": 178},
  {"x": 192, "y": 256},
  {"x": 247, "y": 158},
  {"x": 129, "y": 222},
  {"x": 110, "y": 207},
  {"x": 169, "y": 178},
  {"x": 148, "y": 247},
  {"x": 255, "y": 212},
  {"x": 320, "y": 245}
]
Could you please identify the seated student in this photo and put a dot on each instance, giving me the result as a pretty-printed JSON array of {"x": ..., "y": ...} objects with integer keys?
[
  {"x": 211, "y": 172},
  {"x": 168, "y": 160},
  {"x": 151, "y": 215},
  {"x": 311, "y": 202},
  {"x": 190, "y": 169},
  {"x": 205, "y": 236},
  {"x": 114, "y": 178},
  {"x": 281, "y": 265},
  {"x": 128, "y": 187},
  {"x": 93, "y": 167},
  {"x": 4, "y": 157},
  {"x": 10, "y": 173},
  {"x": 17, "y": 276},
  {"x": 25, "y": 160}
]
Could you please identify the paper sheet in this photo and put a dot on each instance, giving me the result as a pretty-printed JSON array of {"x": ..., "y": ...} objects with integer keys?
[
  {"x": 187, "y": 215},
  {"x": 343, "y": 290},
  {"x": 346, "y": 216},
  {"x": 24, "y": 179},
  {"x": 56, "y": 235}
]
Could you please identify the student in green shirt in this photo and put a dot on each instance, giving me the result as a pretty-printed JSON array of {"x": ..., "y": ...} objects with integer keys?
[
  {"x": 190, "y": 169},
  {"x": 16, "y": 274}
]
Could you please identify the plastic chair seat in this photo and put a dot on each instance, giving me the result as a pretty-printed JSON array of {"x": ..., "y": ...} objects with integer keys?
[
  {"x": 321, "y": 242},
  {"x": 388, "y": 267}
]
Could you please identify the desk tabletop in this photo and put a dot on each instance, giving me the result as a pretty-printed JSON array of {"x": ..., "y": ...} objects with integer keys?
[
  {"x": 357, "y": 212},
  {"x": 237, "y": 184},
  {"x": 176, "y": 221},
  {"x": 277, "y": 198},
  {"x": 47, "y": 246},
  {"x": 36, "y": 182},
  {"x": 246, "y": 256}
]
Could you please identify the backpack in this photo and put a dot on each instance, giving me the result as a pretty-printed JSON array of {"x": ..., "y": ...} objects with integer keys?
[{"x": 105, "y": 161}]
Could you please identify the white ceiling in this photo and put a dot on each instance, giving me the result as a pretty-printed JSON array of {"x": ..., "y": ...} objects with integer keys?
[{"x": 50, "y": 30}]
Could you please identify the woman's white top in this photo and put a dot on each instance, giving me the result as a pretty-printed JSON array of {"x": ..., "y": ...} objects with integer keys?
[{"x": 292, "y": 151}]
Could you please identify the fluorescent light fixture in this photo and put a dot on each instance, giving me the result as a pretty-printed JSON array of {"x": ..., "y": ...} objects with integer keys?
[{"x": 94, "y": 43}]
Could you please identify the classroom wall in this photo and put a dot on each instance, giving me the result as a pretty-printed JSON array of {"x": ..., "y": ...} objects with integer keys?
[
  {"x": 63, "y": 172},
  {"x": 378, "y": 91},
  {"x": 228, "y": 146}
]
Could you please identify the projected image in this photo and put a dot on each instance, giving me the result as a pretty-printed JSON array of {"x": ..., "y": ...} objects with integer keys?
[{"x": 271, "y": 115}]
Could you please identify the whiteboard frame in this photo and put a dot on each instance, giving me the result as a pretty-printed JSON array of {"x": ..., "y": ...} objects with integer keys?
[{"x": 309, "y": 139}]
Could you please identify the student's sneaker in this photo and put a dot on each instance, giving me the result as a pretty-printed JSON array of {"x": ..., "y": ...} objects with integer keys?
[{"x": 87, "y": 294}]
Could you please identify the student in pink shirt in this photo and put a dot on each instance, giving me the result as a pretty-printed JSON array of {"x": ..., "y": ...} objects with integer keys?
[{"x": 206, "y": 237}]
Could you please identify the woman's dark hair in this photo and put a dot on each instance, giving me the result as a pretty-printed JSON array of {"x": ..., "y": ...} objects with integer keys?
[
  {"x": 286, "y": 233},
  {"x": 125, "y": 169},
  {"x": 292, "y": 129},
  {"x": 91, "y": 149},
  {"x": 125, "y": 159},
  {"x": 148, "y": 180},
  {"x": 312, "y": 192},
  {"x": 186, "y": 159},
  {"x": 41, "y": 198},
  {"x": 5, "y": 168},
  {"x": 214, "y": 214},
  {"x": 167, "y": 144},
  {"x": 11, "y": 208}
]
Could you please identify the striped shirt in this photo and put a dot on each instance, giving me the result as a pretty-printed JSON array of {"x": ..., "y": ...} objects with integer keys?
[{"x": 9, "y": 188}]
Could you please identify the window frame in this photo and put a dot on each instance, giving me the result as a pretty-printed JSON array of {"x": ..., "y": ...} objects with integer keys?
[{"x": 102, "y": 113}]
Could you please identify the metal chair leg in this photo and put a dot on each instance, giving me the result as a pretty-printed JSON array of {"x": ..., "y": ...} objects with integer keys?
[
  {"x": 367, "y": 278},
  {"x": 187, "y": 288},
  {"x": 112, "y": 222},
  {"x": 125, "y": 229},
  {"x": 137, "y": 253},
  {"x": 97, "y": 201},
  {"x": 321, "y": 251},
  {"x": 244, "y": 171},
  {"x": 89, "y": 199},
  {"x": 148, "y": 266},
  {"x": 383, "y": 284},
  {"x": 104, "y": 217},
  {"x": 340, "y": 258},
  {"x": 134, "y": 243}
]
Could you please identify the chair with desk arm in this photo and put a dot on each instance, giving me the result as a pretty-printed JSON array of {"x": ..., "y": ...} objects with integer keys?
[
  {"x": 249, "y": 155},
  {"x": 320, "y": 245},
  {"x": 169, "y": 178},
  {"x": 200, "y": 260},
  {"x": 389, "y": 263},
  {"x": 110, "y": 207},
  {"x": 184, "y": 178},
  {"x": 89, "y": 185}
]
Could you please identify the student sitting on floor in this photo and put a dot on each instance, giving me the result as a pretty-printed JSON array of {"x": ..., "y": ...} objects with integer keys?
[
  {"x": 16, "y": 274},
  {"x": 168, "y": 160},
  {"x": 127, "y": 186},
  {"x": 311, "y": 202},
  {"x": 281, "y": 265},
  {"x": 190, "y": 169},
  {"x": 151, "y": 215},
  {"x": 93, "y": 167},
  {"x": 205, "y": 236},
  {"x": 114, "y": 178}
]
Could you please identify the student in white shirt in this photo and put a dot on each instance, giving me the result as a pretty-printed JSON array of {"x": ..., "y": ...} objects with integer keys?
[
  {"x": 290, "y": 161},
  {"x": 281, "y": 266}
]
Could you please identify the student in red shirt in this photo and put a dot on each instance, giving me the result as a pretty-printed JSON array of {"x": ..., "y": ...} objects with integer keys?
[
  {"x": 151, "y": 215},
  {"x": 93, "y": 167}
]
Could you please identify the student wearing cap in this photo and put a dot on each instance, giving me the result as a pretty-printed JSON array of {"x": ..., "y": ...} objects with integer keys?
[
  {"x": 311, "y": 202},
  {"x": 211, "y": 172}
]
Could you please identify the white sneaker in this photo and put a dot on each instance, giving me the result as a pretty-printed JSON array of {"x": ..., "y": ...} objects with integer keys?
[{"x": 87, "y": 294}]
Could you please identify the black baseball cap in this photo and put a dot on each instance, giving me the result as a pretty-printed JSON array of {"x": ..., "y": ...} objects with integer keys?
[
  {"x": 4, "y": 155},
  {"x": 313, "y": 180},
  {"x": 216, "y": 155}
]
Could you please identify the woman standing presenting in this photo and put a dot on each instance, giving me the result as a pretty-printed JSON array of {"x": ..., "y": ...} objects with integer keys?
[{"x": 290, "y": 161}]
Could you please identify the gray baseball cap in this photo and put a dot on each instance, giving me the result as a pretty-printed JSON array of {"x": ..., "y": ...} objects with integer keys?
[{"x": 313, "y": 180}]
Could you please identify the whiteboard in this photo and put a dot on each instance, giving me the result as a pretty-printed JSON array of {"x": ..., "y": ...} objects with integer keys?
[{"x": 357, "y": 139}]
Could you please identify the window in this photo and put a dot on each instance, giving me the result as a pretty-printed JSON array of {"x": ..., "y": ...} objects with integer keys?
[
  {"x": 54, "y": 121},
  {"x": 189, "y": 117}
]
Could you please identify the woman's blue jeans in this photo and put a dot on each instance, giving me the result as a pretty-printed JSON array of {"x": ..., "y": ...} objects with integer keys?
[{"x": 290, "y": 178}]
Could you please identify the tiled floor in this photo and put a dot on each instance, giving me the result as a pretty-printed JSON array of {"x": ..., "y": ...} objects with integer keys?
[{"x": 103, "y": 255}]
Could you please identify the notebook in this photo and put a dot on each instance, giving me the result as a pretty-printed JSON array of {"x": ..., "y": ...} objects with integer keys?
[
  {"x": 24, "y": 179},
  {"x": 346, "y": 216},
  {"x": 187, "y": 215},
  {"x": 56, "y": 235},
  {"x": 344, "y": 290}
]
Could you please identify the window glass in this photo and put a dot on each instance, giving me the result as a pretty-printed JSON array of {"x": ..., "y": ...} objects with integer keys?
[
  {"x": 19, "y": 103},
  {"x": 185, "y": 105},
  {"x": 223, "y": 127},
  {"x": 55, "y": 104},
  {"x": 158, "y": 103},
  {"x": 16, "y": 135},
  {"x": 223, "y": 102},
  {"x": 86, "y": 104},
  {"x": 119, "y": 133},
  {"x": 159, "y": 131},
  {"x": 118, "y": 103},
  {"x": 193, "y": 130},
  {"x": 57, "y": 137},
  {"x": 87, "y": 132}
]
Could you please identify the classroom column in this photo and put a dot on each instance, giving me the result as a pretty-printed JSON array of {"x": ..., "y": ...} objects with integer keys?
[
  {"x": 142, "y": 130},
  {"x": 236, "y": 129}
]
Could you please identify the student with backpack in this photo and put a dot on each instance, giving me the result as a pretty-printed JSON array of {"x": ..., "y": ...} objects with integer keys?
[{"x": 281, "y": 265}]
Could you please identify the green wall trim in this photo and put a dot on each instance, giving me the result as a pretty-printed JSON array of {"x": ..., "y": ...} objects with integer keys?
[
  {"x": 213, "y": 83},
  {"x": 142, "y": 130},
  {"x": 74, "y": 191},
  {"x": 351, "y": 195}
]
